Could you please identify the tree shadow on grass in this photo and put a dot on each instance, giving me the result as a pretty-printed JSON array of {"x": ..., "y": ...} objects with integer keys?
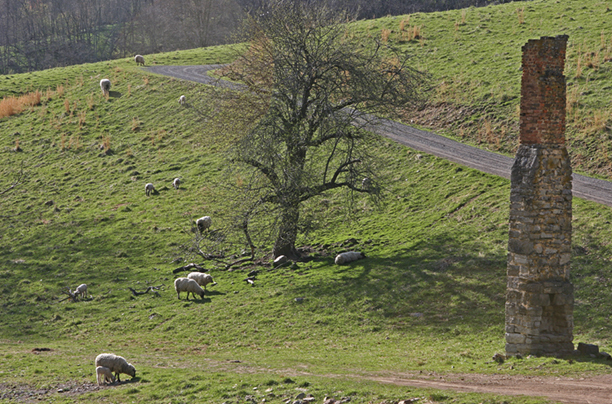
[{"x": 438, "y": 283}]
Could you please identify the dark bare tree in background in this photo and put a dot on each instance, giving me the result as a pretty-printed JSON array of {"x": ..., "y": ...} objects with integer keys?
[
  {"x": 313, "y": 81},
  {"x": 39, "y": 34}
]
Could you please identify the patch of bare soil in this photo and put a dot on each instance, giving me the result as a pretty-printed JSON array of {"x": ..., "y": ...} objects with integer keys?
[
  {"x": 24, "y": 393},
  {"x": 591, "y": 390},
  {"x": 566, "y": 390}
]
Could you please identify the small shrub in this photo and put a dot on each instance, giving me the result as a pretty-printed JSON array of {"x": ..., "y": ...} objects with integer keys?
[
  {"x": 416, "y": 32},
  {"x": 488, "y": 131},
  {"x": 67, "y": 105},
  {"x": 59, "y": 90},
  {"x": 90, "y": 102},
  {"x": 75, "y": 142},
  {"x": 384, "y": 35},
  {"x": 578, "y": 68},
  {"x": 106, "y": 142},
  {"x": 521, "y": 15},
  {"x": 82, "y": 117}
]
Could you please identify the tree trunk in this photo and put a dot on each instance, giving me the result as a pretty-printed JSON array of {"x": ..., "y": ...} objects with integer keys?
[{"x": 287, "y": 233}]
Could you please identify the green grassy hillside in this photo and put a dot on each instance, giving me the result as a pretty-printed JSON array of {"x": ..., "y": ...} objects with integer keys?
[
  {"x": 429, "y": 297},
  {"x": 475, "y": 54}
]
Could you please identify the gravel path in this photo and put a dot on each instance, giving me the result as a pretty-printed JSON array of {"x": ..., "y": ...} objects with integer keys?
[{"x": 588, "y": 188}]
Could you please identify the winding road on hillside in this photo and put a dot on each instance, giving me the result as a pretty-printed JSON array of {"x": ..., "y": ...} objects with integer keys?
[
  {"x": 592, "y": 390},
  {"x": 588, "y": 188}
]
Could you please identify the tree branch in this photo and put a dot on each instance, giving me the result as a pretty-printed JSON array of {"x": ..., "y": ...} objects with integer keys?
[{"x": 150, "y": 288}]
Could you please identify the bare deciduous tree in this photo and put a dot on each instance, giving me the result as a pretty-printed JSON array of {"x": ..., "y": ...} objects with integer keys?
[{"x": 313, "y": 81}]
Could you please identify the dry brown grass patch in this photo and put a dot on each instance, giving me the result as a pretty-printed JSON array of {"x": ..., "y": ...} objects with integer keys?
[
  {"x": 521, "y": 15},
  {"x": 15, "y": 105},
  {"x": 384, "y": 35}
]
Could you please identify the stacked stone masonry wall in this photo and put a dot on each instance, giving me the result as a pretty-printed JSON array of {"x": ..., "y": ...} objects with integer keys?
[{"x": 539, "y": 301}]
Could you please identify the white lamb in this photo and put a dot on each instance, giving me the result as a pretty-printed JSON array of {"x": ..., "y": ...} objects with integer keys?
[
  {"x": 149, "y": 188},
  {"x": 176, "y": 183},
  {"x": 204, "y": 223},
  {"x": 116, "y": 364},
  {"x": 189, "y": 286},
  {"x": 81, "y": 290},
  {"x": 105, "y": 85},
  {"x": 103, "y": 375},
  {"x": 349, "y": 256},
  {"x": 202, "y": 279},
  {"x": 139, "y": 60},
  {"x": 182, "y": 100}
]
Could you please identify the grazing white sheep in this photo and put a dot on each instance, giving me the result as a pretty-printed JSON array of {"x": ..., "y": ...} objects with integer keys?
[
  {"x": 182, "y": 100},
  {"x": 139, "y": 60},
  {"x": 81, "y": 290},
  {"x": 105, "y": 85},
  {"x": 149, "y": 188},
  {"x": 176, "y": 183},
  {"x": 349, "y": 256},
  {"x": 116, "y": 364},
  {"x": 189, "y": 286},
  {"x": 204, "y": 223},
  {"x": 202, "y": 279},
  {"x": 103, "y": 375}
]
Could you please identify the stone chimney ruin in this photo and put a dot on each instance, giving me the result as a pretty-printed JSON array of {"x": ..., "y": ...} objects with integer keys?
[{"x": 540, "y": 297}]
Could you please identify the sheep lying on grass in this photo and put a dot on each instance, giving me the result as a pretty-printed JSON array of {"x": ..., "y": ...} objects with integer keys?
[
  {"x": 202, "y": 279},
  {"x": 203, "y": 223},
  {"x": 189, "y": 286},
  {"x": 81, "y": 290},
  {"x": 349, "y": 256},
  {"x": 149, "y": 188},
  {"x": 103, "y": 375},
  {"x": 105, "y": 85},
  {"x": 182, "y": 100},
  {"x": 139, "y": 60},
  {"x": 176, "y": 183},
  {"x": 116, "y": 364}
]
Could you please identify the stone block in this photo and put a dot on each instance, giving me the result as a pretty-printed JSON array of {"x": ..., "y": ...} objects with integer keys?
[
  {"x": 520, "y": 259},
  {"x": 513, "y": 338},
  {"x": 523, "y": 247}
]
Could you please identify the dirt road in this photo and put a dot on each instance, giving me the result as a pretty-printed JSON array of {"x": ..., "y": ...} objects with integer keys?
[
  {"x": 592, "y": 189},
  {"x": 593, "y": 390}
]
